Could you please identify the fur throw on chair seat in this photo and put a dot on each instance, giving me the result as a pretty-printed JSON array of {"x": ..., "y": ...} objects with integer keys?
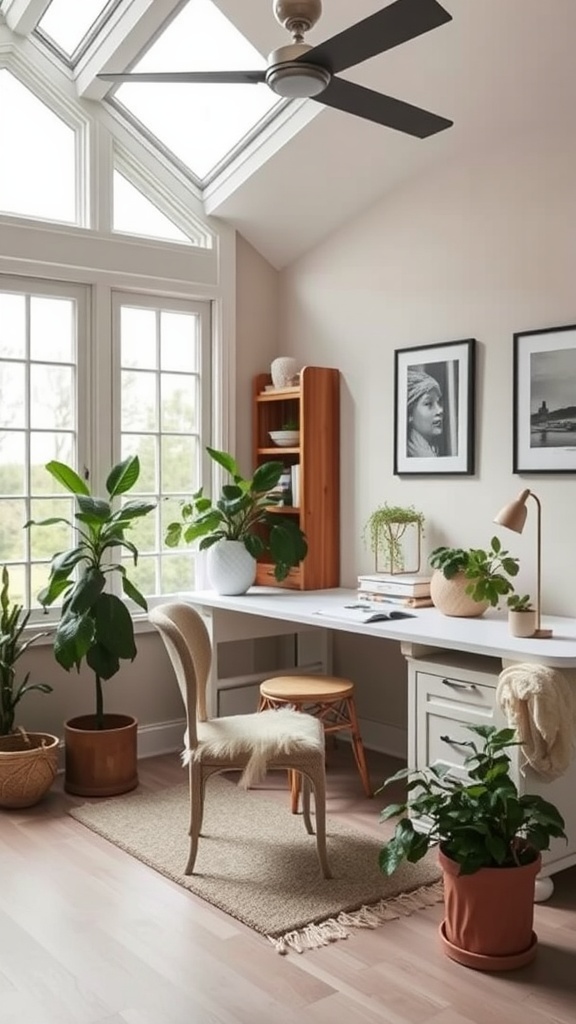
[{"x": 262, "y": 736}]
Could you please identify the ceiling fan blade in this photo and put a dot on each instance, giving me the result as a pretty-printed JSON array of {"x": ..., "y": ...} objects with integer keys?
[
  {"x": 232, "y": 77},
  {"x": 374, "y": 106},
  {"x": 401, "y": 21}
]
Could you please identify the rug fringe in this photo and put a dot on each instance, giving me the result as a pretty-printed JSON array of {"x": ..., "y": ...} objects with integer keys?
[{"x": 314, "y": 936}]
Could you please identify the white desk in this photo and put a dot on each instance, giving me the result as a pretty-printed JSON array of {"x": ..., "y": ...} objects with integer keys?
[{"x": 434, "y": 645}]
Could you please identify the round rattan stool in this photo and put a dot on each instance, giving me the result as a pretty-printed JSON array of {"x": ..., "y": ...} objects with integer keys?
[{"x": 329, "y": 698}]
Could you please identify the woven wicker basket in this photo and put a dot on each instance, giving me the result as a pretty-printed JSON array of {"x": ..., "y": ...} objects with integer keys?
[{"x": 28, "y": 764}]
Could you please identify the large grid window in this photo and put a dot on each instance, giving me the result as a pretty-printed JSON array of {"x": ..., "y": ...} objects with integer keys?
[
  {"x": 52, "y": 379},
  {"x": 162, "y": 355},
  {"x": 42, "y": 333}
]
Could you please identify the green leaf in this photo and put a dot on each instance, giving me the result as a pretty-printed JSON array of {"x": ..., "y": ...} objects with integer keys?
[
  {"x": 225, "y": 460},
  {"x": 123, "y": 476},
  {"x": 87, "y": 591},
  {"x": 66, "y": 476},
  {"x": 72, "y": 640},
  {"x": 114, "y": 627},
  {"x": 134, "y": 594}
]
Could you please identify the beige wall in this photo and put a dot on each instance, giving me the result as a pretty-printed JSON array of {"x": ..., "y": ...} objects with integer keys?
[{"x": 481, "y": 248}]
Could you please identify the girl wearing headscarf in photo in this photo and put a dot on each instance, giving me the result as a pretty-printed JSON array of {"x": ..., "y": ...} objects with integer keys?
[{"x": 425, "y": 415}]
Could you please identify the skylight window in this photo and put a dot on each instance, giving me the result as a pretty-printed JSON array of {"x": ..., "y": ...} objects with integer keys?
[
  {"x": 199, "y": 124},
  {"x": 38, "y": 166},
  {"x": 67, "y": 22}
]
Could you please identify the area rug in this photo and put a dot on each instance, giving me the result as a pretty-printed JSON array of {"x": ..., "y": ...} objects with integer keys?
[{"x": 257, "y": 863}]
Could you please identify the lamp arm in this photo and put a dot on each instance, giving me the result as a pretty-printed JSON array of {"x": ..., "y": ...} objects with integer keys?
[{"x": 538, "y": 557}]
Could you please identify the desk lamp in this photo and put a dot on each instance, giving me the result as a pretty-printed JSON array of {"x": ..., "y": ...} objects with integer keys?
[{"x": 513, "y": 516}]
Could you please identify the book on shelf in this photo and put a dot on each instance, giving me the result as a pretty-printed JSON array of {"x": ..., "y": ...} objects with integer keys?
[
  {"x": 369, "y": 597},
  {"x": 295, "y": 476},
  {"x": 407, "y": 586}
]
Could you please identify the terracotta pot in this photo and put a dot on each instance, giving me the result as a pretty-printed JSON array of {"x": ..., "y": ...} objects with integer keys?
[
  {"x": 28, "y": 765},
  {"x": 489, "y": 915},
  {"x": 100, "y": 762},
  {"x": 522, "y": 623},
  {"x": 450, "y": 596}
]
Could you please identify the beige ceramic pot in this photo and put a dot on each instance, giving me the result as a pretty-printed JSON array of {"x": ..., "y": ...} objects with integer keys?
[
  {"x": 450, "y": 596},
  {"x": 522, "y": 623}
]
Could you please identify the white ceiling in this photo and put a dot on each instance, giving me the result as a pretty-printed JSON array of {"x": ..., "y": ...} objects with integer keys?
[{"x": 499, "y": 68}]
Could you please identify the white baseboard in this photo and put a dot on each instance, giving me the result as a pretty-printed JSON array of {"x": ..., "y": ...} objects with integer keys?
[{"x": 161, "y": 738}]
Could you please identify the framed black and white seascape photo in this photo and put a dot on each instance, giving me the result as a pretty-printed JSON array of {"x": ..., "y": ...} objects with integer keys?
[
  {"x": 434, "y": 408},
  {"x": 545, "y": 400}
]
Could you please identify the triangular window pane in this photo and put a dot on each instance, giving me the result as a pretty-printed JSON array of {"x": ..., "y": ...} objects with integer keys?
[
  {"x": 200, "y": 124},
  {"x": 135, "y": 214},
  {"x": 38, "y": 164}
]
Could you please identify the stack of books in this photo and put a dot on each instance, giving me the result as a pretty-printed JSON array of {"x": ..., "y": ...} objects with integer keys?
[{"x": 412, "y": 590}]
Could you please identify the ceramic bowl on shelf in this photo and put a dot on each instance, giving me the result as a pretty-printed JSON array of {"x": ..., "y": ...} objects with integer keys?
[{"x": 286, "y": 438}]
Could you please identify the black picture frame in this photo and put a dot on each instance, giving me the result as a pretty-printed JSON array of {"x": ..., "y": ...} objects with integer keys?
[
  {"x": 544, "y": 399},
  {"x": 436, "y": 385}
]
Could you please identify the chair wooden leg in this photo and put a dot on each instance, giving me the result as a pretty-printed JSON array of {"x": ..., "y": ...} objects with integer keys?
[
  {"x": 358, "y": 748},
  {"x": 196, "y": 782},
  {"x": 318, "y": 782},
  {"x": 294, "y": 778}
]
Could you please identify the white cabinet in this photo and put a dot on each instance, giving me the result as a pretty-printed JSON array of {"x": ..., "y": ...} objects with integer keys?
[{"x": 447, "y": 693}]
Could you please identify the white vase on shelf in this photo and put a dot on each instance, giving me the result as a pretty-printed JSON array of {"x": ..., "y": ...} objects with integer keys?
[{"x": 283, "y": 370}]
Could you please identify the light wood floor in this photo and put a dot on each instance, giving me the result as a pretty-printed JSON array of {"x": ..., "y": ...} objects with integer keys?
[{"x": 91, "y": 936}]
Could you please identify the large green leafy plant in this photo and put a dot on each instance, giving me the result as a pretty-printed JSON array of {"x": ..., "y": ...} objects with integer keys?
[
  {"x": 13, "y": 622},
  {"x": 480, "y": 821},
  {"x": 95, "y": 624},
  {"x": 488, "y": 570},
  {"x": 242, "y": 512}
]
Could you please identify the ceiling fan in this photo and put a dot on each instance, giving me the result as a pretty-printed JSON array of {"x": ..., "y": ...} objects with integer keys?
[{"x": 299, "y": 70}]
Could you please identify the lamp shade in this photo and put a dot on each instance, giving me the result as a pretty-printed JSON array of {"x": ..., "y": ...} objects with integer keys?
[{"x": 513, "y": 515}]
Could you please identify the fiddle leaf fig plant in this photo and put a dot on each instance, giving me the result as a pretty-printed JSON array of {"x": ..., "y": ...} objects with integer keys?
[
  {"x": 479, "y": 820},
  {"x": 95, "y": 625},
  {"x": 240, "y": 512},
  {"x": 488, "y": 570},
  {"x": 13, "y": 622}
]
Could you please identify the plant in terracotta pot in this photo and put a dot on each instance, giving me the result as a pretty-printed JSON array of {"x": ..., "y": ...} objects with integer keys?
[
  {"x": 28, "y": 760},
  {"x": 478, "y": 578},
  {"x": 490, "y": 840},
  {"x": 383, "y": 533},
  {"x": 95, "y": 624},
  {"x": 244, "y": 516},
  {"x": 521, "y": 615}
]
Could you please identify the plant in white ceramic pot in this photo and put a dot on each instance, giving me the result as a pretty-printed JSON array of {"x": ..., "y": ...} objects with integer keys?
[
  {"x": 521, "y": 615},
  {"x": 95, "y": 625},
  {"x": 242, "y": 514}
]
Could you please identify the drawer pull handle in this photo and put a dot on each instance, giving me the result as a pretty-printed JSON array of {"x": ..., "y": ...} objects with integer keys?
[
  {"x": 455, "y": 743},
  {"x": 470, "y": 687}
]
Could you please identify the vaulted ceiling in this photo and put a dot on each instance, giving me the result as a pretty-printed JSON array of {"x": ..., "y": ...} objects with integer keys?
[{"x": 500, "y": 68}]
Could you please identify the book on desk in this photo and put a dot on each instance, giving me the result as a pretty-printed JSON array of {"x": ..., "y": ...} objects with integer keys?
[{"x": 359, "y": 612}]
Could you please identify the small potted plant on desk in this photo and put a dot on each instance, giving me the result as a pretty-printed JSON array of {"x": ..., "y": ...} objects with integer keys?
[
  {"x": 490, "y": 840},
  {"x": 239, "y": 527},
  {"x": 468, "y": 581},
  {"x": 95, "y": 626},
  {"x": 383, "y": 533},
  {"x": 521, "y": 615},
  {"x": 28, "y": 760}
]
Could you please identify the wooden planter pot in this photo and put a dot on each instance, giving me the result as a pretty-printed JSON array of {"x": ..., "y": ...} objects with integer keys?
[
  {"x": 101, "y": 762},
  {"x": 450, "y": 597},
  {"x": 28, "y": 765},
  {"x": 489, "y": 915}
]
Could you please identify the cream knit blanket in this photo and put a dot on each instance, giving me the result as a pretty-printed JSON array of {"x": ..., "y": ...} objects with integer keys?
[{"x": 540, "y": 704}]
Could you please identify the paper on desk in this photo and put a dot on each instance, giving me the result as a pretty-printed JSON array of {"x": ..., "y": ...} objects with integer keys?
[{"x": 360, "y": 613}]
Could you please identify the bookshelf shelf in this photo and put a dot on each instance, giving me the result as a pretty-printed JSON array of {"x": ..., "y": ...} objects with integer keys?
[{"x": 315, "y": 406}]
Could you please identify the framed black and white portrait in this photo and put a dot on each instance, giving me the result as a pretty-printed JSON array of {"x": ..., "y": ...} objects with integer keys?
[
  {"x": 434, "y": 408},
  {"x": 545, "y": 400}
]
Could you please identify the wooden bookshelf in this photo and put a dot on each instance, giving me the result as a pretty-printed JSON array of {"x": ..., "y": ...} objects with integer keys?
[{"x": 315, "y": 404}]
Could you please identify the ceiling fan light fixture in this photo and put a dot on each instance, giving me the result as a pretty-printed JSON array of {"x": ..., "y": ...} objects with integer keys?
[{"x": 298, "y": 80}]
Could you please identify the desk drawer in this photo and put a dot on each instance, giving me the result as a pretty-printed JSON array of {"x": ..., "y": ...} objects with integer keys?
[{"x": 454, "y": 693}]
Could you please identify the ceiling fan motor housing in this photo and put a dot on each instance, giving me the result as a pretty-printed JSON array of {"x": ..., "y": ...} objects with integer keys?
[{"x": 293, "y": 78}]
